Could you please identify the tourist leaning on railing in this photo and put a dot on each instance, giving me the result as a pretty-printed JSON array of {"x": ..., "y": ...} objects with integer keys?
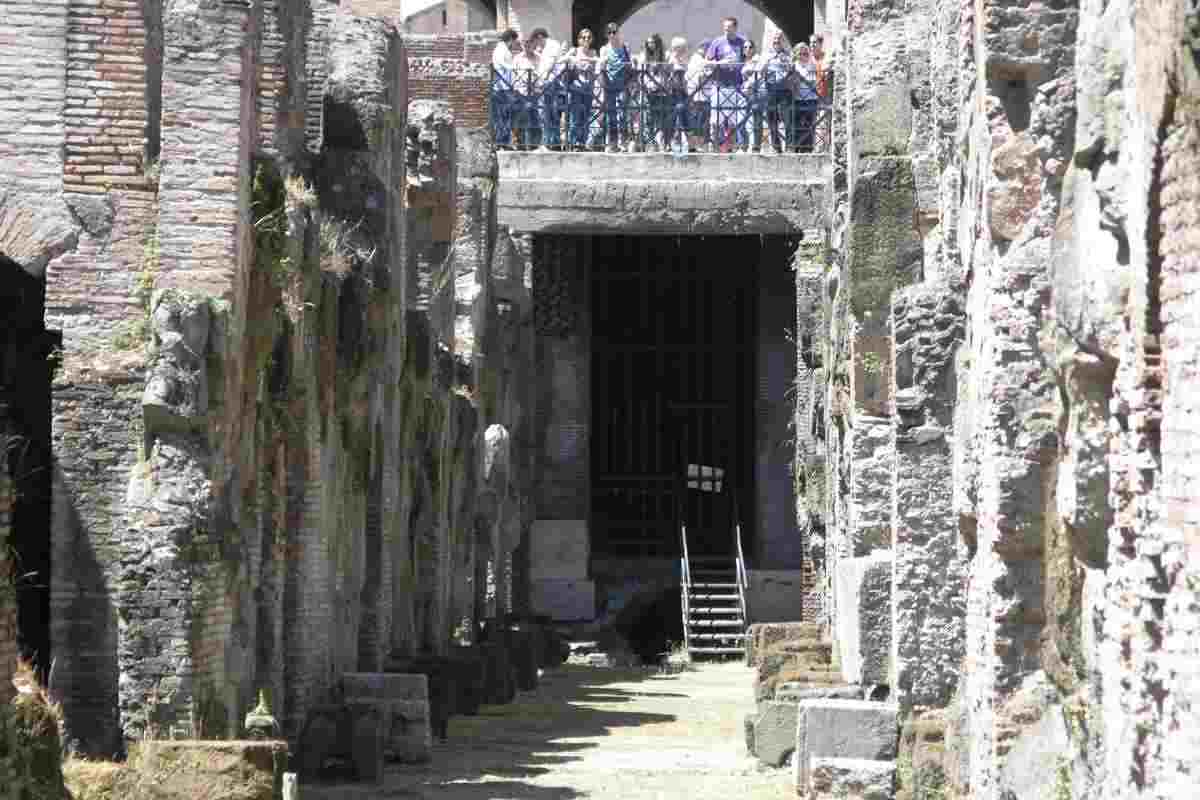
[
  {"x": 769, "y": 74},
  {"x": 698, "y": 72},
  {"x": 725, "y": 91},
  {"x": 676, "y": 137},
  {"x": 805, "y": 98},
  {"x": 617, "y": 69},
  {"x": 552, "y": 75},
  {"x": 580, "y": 78},
  {"x": 502, "y": 87},
  {"x": 652, "y": 95}
]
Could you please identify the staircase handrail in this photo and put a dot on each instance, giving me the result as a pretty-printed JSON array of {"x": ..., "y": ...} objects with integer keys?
[
  {"x": 685, "y": 586},
  {"x": 743, "y": 579}
]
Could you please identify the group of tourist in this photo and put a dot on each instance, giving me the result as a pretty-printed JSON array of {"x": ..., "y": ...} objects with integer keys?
[{"x": 722, "y": 96}]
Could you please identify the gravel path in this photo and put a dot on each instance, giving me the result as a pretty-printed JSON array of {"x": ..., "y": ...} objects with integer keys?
[{"x": 608, "y": 734}]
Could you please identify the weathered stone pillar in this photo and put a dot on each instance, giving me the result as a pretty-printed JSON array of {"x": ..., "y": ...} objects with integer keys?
[
  {"x": 929, "y": 560},
  {"x": 172, "y": 657}
]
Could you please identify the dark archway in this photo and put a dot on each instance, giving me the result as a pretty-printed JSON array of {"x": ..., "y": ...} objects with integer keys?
[
  {"x": 795, "y": 17},
  {"x": 26, "y": 371}
]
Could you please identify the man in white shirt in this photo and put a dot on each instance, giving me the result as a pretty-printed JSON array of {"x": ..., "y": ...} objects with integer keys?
[{"x": 502, "y": 86}]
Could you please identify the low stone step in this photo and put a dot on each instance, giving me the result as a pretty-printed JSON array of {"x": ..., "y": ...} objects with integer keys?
[{"x": 795, "y": 692}]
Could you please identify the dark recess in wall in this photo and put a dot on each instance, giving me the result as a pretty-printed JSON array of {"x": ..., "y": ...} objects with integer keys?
[{"x": 26, "y": 370}]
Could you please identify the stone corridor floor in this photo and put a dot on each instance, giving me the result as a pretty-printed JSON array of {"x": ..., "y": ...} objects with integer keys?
[{"x": 598, "y": 733}]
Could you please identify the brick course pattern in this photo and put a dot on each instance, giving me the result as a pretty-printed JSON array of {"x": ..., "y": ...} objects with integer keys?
[{"x": 455, "y": 70}]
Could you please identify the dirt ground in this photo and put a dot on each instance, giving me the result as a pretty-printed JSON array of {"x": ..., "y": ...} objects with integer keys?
[{"x": 597, "y": 733}]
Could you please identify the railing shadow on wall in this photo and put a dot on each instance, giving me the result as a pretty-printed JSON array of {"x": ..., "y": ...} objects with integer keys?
[{"x": 658, "y": 108}]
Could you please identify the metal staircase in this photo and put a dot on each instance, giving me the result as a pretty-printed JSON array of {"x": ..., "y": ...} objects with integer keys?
[{"x": 714, "y": 602}]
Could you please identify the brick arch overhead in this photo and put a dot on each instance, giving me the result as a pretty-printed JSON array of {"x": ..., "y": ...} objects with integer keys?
[{"x": 795, "y": 17}]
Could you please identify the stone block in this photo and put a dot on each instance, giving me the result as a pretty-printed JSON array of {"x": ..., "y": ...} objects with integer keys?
[
  {"x": 776, "y": 667},
  {"x": 354, "y": 732},
  {"x": 472, "y": 679},
  {"x": 863, "y": 624},
  {"x": 523, "y": 647},
  {"x": 795, "y": 692},
  {"x": 403, "y": 699},
  {"x": 368, "y": 741},
  {"x": 564, "y": 600},
  {"x": 443, "y": 686},
  {"x": 860, "y": 778},
  {"x": 883, "y": 124},
  {"x": 842, "y": 729},
  {"x": 251, "y": 770},
  {"x": 500, "y": 684},
  {"x": 760, "y": 637},
  {"x": 559, "y": 549},
  {"x": 774, "y": 735}
]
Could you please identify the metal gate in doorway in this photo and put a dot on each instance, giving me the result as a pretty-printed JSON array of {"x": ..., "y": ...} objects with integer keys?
[{"x": 672, "y": 407}]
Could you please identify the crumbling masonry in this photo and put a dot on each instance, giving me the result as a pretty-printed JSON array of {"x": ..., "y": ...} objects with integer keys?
[{"x": 287, "y": 396}]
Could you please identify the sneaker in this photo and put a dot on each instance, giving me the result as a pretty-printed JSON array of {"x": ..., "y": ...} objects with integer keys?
[{"x": 542, "y": 149}]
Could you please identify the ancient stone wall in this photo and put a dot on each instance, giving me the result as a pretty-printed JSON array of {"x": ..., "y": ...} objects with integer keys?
[
  {"x": 290, "y": 406},
  {"x": 1012, "y": 258}
]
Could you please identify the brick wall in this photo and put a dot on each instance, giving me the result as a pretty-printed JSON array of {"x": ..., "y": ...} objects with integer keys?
[
  {"x": 454, "y": 69},
  {"x": 271, "y": 78},
  {"x": 204, "y": 123},
  {"x": 32, "y": 66}
]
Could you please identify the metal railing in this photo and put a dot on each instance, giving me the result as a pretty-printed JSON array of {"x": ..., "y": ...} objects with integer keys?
[
  {"x": 743, "y": 576},
  {"x": 658, "y": 107},
  {"x": 685, "y": 585}
]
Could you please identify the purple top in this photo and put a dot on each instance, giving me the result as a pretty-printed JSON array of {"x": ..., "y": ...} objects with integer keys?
[{"x": 722, "y": 49}]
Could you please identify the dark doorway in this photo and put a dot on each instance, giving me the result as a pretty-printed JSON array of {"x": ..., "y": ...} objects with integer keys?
[
  {"x": 26, "y": 370},
  {"x": 673, "y": 391}
]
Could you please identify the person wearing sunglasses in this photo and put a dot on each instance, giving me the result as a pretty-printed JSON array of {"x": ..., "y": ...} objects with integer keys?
[{"x": 617, "y": 69}]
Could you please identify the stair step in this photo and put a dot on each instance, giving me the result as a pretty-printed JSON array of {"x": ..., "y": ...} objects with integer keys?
[
  {"x": 712, "y": 586},
  {"x": 723, "y": 611},
  {"x": 715, "y": 623},
  {"x": 707, "y": 596},
  {"x": 710, "y": 636},
  {"x": 729, "y": 650}
]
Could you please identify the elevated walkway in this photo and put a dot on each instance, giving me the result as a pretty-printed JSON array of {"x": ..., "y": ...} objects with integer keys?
[{"x": 660, "y": 193}]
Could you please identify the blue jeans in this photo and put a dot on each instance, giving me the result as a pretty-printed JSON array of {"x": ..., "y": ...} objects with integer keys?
[
  {"x": 615, "y": 103},
  {"x": 554, "y": 103},
  {"x": 580, "y": 101},
  {"x": 502, "y": 103}
]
